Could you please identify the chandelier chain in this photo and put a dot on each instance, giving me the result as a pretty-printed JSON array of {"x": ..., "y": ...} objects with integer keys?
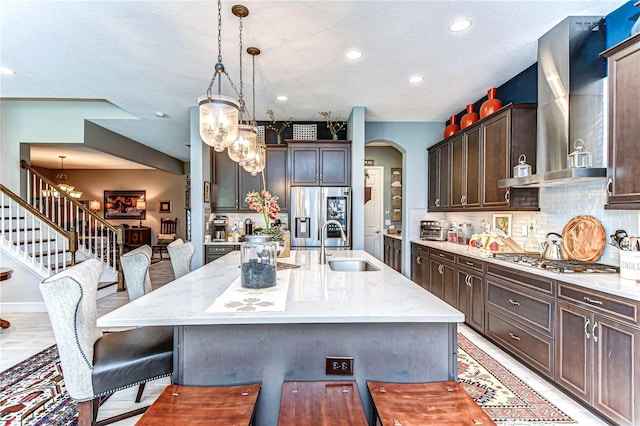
[
  {"x": 219, "y": 34},
  {"x": 253, "y": 84},
  {"x": 241, "y": 83}
]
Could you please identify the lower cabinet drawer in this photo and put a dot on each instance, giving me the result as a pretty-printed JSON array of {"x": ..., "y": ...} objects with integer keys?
[
  {"x": 536, "y": 349},
  {"x": 537, "y": 312}
]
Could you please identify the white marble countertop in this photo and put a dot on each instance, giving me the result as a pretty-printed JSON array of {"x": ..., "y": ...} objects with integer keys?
[
  {"x": 604, "y": 282},
  {"x": 223, "y": 243},
  {"x": 396, "y": 236},
  {"x": 316, "y": 295}
]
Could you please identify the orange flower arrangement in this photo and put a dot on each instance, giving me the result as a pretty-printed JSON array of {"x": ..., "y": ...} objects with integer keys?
[{"x": 265, "y": 203}]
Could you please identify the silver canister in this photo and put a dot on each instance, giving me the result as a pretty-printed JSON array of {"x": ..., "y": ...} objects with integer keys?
[
  {"x": 521, "y": 169},
  {"x": 258, "y": 261}
]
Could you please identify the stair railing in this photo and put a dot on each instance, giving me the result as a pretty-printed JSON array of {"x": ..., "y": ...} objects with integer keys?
[
  {"x": 36, "y": 240},
  {"x": 95, "y": 237}
]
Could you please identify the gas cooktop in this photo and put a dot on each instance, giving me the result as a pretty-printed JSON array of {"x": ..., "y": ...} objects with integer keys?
[{"x": 559, "y": 266}]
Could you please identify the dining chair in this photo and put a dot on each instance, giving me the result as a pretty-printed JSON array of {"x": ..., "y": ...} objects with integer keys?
[
  {"x": 95, "y": 365},
  {"x": 135, "y": 268},
  {"x": 168, "y": 234},
  {"x": 180, "y": 253}
]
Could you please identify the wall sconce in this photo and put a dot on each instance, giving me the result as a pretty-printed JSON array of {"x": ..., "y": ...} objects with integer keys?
[
  {"x": 141, "y": 206},
  {"x": 94, "y": 205}
]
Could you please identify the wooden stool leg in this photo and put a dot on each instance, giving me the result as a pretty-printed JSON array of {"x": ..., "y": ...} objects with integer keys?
[{"x": 140, "y": 390}]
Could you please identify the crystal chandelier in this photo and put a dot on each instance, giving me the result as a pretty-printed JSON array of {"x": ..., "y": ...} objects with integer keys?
[
  {"x": 61, "y": 176},
  {"x": 219, "y": 113},
  {"x": 243, "y": 148}
]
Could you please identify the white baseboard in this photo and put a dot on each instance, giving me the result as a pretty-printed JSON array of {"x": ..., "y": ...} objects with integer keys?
[{"x": 23, "y": 307}]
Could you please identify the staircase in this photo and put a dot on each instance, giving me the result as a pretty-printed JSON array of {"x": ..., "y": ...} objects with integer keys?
[{"x": 48, "y": 230}]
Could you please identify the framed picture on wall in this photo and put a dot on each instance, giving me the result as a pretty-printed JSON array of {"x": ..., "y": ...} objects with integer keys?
[
  {"x": 502, "y": 221},
  {"x": 207, "y": 191},
  {"x": 123, "y": 204},
  {"x": 165, "y": 206}
]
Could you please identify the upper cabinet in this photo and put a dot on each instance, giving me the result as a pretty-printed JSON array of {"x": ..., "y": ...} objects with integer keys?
[
  {"x": 316, "y": 163},
  {"x": 482, "y": 154},
  {"x": 439, "y": 177},
  {"x": 624, "y": 127},
  {"x": 231, "y": 182}
]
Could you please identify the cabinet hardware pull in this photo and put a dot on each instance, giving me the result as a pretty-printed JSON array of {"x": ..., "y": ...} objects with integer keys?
[
  {"x": 593, "y": 331},
  {"x": 418, "y": 260},
  {"x": 470, "y": 263},
  {"x": 441, "y": 269},
  {"x": 513, "y": 302},
  {"x": 592, "y": 301},
  {"x": 440, "y": 254},
  {"x": 586, "y": 327},
  {"x": 468, "y": 280},
  {"x": 513, "y": 336},
  {"x": 610, "y": 187},
  {"x": 437, "y": 202}
]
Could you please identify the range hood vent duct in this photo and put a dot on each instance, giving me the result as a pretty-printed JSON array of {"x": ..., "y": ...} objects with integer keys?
[{"x": 570, "y": 103}]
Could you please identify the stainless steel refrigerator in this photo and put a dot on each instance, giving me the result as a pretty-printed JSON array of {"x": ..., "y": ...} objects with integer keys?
[{"x": 311, "y": 207}]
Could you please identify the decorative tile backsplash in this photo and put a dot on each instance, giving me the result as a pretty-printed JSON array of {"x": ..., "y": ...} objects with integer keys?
[{"x": 558, "y": 205}]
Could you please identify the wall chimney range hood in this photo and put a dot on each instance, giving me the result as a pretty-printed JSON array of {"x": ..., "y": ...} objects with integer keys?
[{"x": 570, "y": 103}]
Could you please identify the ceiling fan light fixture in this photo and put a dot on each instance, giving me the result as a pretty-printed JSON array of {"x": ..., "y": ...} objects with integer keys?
[{"x": 460, "y": 25}]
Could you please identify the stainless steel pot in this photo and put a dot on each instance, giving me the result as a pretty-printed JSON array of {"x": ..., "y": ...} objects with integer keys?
[{"x": 552, "y": 247}]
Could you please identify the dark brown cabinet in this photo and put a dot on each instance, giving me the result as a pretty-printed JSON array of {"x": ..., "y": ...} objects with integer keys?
[
  {"x": 480, "y": 156},
  {"x": 465, "y": 169},
  {"x": 393, "y": 253},
  {"x": 213, "y": 252},
  {"x": 624, "y": 126},
  {"x": 135, "y": 236},
  {"x": 319, "y": 163},
  {"x": 438, "y": 180},
  {"x": 443, "y": 276},
  {"x": 471, "y": 292},
  {"x": 231, "y": 182},
  {"x": 596, "y": 355},
  {"x": 420, "y": 266}
]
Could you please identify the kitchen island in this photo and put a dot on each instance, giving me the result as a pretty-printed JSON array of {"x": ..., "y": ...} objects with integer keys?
[{"x": 394, "y": 330}]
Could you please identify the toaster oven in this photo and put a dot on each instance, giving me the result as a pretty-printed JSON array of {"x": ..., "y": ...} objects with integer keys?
[{"x": 432, "y": 230}]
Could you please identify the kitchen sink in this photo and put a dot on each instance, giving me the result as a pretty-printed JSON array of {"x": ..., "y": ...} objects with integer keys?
[{"x": 352, "y": 265}]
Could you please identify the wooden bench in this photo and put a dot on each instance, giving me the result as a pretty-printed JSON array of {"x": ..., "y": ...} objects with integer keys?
[
  {"x": 321, "y": 403},
  {"x": 189, "y": 405},
  {"x": 438, "y": 403}
]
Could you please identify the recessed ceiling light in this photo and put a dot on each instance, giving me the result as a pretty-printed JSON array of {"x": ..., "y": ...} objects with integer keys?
[
  {"x": 161, "y": 114},
  {"x": 5, "y": 70},
  {"x": 282, "y": 98},
  {"x": 416, "y": 79},
  {"x": 353, "y": 54},
  {"x": 460, "y": 25}
]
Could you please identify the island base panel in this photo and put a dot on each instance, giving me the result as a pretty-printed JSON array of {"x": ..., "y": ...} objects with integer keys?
[{"x": 271, "y": 354}]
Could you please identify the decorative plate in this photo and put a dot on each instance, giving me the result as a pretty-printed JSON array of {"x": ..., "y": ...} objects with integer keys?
[{"x": 583, "y": 238}]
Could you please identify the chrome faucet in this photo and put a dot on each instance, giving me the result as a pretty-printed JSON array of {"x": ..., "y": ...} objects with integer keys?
[{"x": 323, "y": 254}]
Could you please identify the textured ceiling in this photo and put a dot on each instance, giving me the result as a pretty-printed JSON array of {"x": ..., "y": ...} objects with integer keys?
[{"x": 148, "y": 56}]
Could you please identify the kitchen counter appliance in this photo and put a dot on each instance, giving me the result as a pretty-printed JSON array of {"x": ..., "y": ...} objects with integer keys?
[
  {"x": 311, "y": 207},
  {"x": 433, "y": 230},
  {"x": 559, "y": 266}
]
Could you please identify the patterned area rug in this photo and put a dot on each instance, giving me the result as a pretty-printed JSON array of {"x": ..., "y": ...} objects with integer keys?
[
  {"x": 33, "y": 393},
  {"x": 503, "y": 396}
]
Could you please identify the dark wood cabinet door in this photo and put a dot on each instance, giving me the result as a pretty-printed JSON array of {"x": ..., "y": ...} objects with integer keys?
[
  {"x": 438, "y": 177},
  {"x": 304, "y": 166},
  {"x": 496, "y": 140},
  {"x": 458, "y": 171},
  {"x": 475, "y": 318},
  {"x": 416, "y": 267},
  {"x": 335, "y": 166},
  {"x": 276, "y": 175},
  {"x": 472, "y": 166},
  {"x": 436, "y": 275},
  {"x": 624, "y": 126},
  {"x": 450, "y": 285},
  {"x": 616, "y": 376},
  {"x": 574, "y": 350},
  {"x": 225, "y": 183}
]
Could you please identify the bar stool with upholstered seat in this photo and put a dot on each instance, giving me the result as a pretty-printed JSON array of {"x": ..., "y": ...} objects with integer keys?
[
  {"x": 181, "y": 253},
  {"x": 96, "y": 364}
]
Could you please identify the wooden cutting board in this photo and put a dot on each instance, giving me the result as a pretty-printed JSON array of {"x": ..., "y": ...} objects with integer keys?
[{"x": 583, "y": 238}]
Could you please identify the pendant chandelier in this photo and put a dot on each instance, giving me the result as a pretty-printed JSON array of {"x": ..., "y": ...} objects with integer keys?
[
  {"x": 61, "y": 177},
  {"x": 219, "y": 113},
  {"x": 243, "y": 148},
  {"x": 256, "y": 160}
]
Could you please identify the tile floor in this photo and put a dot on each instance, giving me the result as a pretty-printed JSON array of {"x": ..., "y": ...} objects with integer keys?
[{"x": 31, "y": 332}]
